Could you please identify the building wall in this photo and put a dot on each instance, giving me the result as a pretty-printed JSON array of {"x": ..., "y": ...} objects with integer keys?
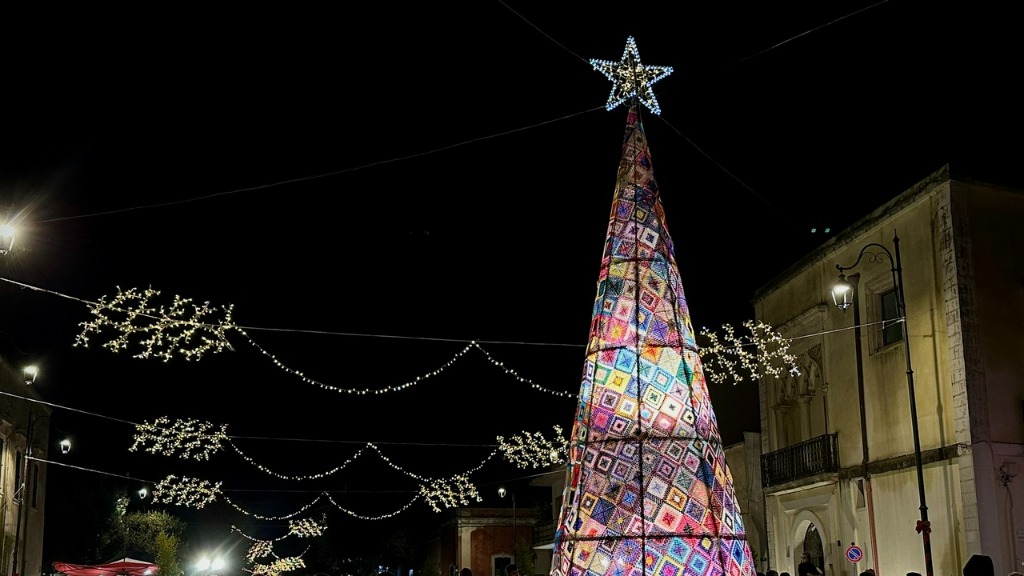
[
  {"x": 14, "y": 418},
  {"x": 475, "y": 538},
  {"x": 745, "y": 466},
  {"x": 960, "y": 250}
]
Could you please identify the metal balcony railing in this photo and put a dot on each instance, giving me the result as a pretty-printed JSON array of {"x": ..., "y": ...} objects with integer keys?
[
  {"x": 819, "y": 455},
  {"x": 544, "y": 534}
]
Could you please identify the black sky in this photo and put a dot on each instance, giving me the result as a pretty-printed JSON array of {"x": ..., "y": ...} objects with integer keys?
[{"x": 370, "y": 190}]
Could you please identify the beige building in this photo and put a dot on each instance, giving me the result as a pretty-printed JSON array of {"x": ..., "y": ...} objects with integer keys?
[
  {"x": 22, "y": 480},
  {"x": 744, "y": 463},
  {"x": 839, "y": 462}
]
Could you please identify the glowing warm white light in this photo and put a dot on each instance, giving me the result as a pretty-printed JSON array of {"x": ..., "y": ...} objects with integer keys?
[
  {"x": 30, "y": 373},
  {"x": 6, "y": 238},
  {"x": 631, "y": 79}
]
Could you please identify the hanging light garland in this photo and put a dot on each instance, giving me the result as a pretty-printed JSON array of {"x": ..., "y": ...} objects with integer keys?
[
  {"x": 163, "y": 332},
  {"x": 282, "y": 517},
  {"x": 315, "y": 476},
  {"x": 188, "y": 492},
  {"x": 181, "y": 328},
  {"x": 187, "y": 438},
  {"x": 533, "y": 450},
  {"x": 763, "y": 352},
  {"x": 380, "y": 517}
]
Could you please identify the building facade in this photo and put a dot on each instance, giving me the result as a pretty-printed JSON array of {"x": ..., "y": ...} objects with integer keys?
[
  {"x": 841, "y": 470},
  {"x": 482, "y": 539},
  {"x": 22, "y": 478}
]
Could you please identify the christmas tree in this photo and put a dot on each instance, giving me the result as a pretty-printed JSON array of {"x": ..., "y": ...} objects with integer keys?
[{"x": 648, "y": 490}]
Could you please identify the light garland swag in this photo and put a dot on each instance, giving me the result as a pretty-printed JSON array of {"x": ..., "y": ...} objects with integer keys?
[{"x": 169, "y": 333}]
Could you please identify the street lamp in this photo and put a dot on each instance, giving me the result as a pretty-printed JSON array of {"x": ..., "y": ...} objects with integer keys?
[
  {"x": 842, "y": 295},
  {"x": 501, "y": 494},
  {"x": 30, "y": 373},
  {"x": 65, "y": 446},
  {"x": 6, "y": 238}
]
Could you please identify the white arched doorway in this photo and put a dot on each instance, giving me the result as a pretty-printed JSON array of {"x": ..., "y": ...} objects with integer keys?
[{"x": 810, "y": 534}]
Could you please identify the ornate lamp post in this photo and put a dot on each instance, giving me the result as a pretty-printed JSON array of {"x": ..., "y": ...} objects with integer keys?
[
  {"x": 842, "y": 295},
  {"x": 501, "y": 494},
  {"x": 29, "y": 373}
]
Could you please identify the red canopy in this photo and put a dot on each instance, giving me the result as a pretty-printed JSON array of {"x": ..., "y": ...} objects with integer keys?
[{"x": 123, "y": 567}]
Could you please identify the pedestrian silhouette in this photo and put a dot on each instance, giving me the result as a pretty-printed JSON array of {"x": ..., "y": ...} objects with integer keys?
[{"x": 979, "y": 565}]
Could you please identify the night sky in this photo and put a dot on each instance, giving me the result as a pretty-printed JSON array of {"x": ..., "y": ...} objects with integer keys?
[{"x": 372, "y": 191}]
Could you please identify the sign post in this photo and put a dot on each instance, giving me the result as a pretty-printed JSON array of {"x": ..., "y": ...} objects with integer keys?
[{"x": 854, "y": 553}]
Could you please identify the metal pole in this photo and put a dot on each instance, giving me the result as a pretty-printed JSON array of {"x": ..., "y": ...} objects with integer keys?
[
  {"x": 514, "y": 529},
  {"x": 923, "y": 525},
  {"x": 858, "y": 346}
]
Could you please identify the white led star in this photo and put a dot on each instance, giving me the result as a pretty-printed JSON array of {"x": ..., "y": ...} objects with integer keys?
[{"x": 630, "y": 78}]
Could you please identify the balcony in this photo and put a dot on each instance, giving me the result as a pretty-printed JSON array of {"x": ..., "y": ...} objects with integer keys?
[
  {"x": 544, "y": 535},
  {"x": 819, "y": 455}
]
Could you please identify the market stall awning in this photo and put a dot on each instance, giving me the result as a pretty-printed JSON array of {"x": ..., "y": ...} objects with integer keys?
[{"x": 122, "y": 567}]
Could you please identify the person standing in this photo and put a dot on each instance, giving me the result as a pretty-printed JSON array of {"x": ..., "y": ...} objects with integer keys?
[{"x": 806, "y": 567}]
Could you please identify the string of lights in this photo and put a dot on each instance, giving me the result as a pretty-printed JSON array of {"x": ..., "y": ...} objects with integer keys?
[{"x": 770, "y": 357}]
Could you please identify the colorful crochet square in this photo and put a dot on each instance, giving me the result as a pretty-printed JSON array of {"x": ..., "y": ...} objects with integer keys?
[{"x": 648, "y": 491}]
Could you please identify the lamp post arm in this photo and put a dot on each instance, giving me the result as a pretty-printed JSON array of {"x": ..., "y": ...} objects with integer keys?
[{"x": 872, "y": 256}]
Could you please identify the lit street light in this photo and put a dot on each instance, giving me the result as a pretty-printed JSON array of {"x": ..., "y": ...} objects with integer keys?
[
  {"x": 209, "y": 566},
  {"x": 501, "y": 494},
  {"x": 29, "y": 374},
  {"x": 842, "y": 295},
  {"x": 6, "y": 238}
]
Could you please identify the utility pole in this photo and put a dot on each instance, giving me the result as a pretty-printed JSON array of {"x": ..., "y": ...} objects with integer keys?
[{"x": 21, "y": 505}]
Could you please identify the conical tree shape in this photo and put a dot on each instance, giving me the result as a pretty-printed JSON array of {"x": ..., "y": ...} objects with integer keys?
[{"x": 648, "y": 491}]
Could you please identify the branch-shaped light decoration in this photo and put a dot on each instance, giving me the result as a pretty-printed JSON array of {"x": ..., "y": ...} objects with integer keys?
[
  {"x": 278, "y": 566},
  {"x": 186, "y": 438},
  {"x": 764, "y": 352},
  {"x": 188, "y": 492},
  {"x": 162, "y": 332},
  {"x": 533, "y": 450},
  {"x": 307, "y": 527},
  {"x": 450, "y": 493},
  {"x": 259, "y": 549}
]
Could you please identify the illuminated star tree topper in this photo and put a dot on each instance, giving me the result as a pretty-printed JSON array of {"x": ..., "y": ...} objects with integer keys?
[{"x": 631, "y": 79}]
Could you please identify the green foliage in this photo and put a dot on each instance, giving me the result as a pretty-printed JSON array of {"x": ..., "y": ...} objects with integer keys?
[
  {"x": 431, "y": 563},
  {"x": 167, "y": 554},
  {"x": 524, "y": 557},
  {"x": 126, "y": 531}
]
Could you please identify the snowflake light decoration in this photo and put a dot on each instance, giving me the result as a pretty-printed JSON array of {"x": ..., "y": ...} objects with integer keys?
[
  {"x": 163, "y": 332},
  {"x": 188, "y": 438},
  {"x": 533, "y": 450}
]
